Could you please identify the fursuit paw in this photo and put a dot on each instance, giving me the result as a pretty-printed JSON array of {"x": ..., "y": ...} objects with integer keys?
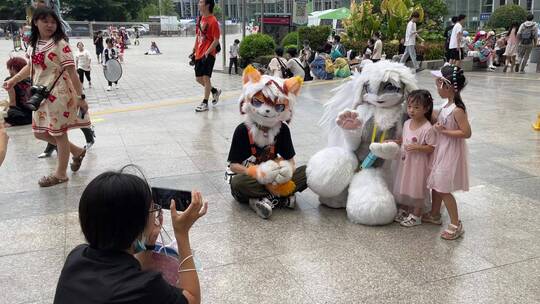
[
  {"x": 387, "y": 150},
  {"x": 285, "y": 172},
  {"x": 348, "y": 120},
  {"x": 264, "y": 173}
]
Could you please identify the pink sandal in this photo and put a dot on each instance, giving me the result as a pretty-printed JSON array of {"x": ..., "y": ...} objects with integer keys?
[{"x": 453, "y": 232}]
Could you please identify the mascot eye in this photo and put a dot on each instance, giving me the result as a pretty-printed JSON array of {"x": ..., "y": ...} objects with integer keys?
[
  {"x": 390, "y": 88},
  {"x": 279, "y": 107},
  {"x": 256, "y": 103}
]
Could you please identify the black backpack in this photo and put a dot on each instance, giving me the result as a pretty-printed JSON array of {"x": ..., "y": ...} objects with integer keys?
[{"x": 218, "y": 47}]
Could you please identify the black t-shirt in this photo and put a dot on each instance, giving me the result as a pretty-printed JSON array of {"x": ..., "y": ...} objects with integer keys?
[
  {"x": 93, "y": 276},
  {"x": 241, "y": 149},
  {"x": 22, "y": 93}
]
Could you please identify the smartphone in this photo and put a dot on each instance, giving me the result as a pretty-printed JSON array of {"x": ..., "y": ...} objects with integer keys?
[{"x": 163, "y": 197}]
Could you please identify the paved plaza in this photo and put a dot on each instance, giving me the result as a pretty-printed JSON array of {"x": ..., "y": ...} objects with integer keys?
[{"x": 309, "y": 255}]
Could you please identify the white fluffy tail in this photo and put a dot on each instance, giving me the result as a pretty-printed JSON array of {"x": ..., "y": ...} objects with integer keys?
[{"x": 330, "y": 171}]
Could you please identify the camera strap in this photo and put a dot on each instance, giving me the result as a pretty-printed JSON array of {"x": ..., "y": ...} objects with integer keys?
[{"x": 32, "y": 71}]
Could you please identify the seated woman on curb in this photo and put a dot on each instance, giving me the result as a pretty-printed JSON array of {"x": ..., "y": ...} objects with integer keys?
[
  {"x": 18, "y": 114},
  {"x": 117, "y": 214}
]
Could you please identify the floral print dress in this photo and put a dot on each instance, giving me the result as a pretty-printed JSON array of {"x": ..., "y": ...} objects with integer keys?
[{"x": 57, "y": 113}]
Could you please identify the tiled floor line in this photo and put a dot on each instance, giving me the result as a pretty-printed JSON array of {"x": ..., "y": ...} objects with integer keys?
[{"x": 482, "y": 270}]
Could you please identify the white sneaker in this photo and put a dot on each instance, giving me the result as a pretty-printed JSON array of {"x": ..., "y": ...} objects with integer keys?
[
  {"x": 401, "y": 215},
  {"x": 262, "y": 206},
  {"x": 116, "y": 86},
  {"x": 109, "y": 88},
  {"x": 215, "y": 96}
]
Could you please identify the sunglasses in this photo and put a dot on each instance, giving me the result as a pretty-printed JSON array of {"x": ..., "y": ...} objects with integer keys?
[{"x": 257, "y": 104}]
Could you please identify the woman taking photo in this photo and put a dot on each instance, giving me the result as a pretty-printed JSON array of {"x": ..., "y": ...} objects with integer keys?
[
  {"x": 51, "y": 59},
  {"x": 118, "y": 218}
]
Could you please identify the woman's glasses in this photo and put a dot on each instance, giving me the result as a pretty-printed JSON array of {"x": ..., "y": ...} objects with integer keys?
[
  {"x": 156, "y": 210},
  {"x": 257, "y": 103}
]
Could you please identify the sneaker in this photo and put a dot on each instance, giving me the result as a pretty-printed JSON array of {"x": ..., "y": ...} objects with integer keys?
[
  {"x": 202, "y": 107},
  {"x": 522, "y": 72},
  {"x": 262, "y": 206},
  {"x": 215, "y": 96},
  {"x": 401, "y": 216},
  {"x": 418, "y": 70},
  {"x": 48, "y": 151},
  {"x": 109, "y": 88},
  {"x": 289, "y": 202},
  {"x": 411, "y": 221},
  {"x": 505, "y": 68},
  {"x": 116, "y": 86}
]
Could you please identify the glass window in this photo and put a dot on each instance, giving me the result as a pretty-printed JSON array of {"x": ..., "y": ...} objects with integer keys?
[
  {"x": 529, "y": 4},
  {"x": 502, "y": 2}
]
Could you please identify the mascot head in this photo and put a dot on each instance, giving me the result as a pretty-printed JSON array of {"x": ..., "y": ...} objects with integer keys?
[
  {"x": 384, "y": 84},
  {"x": 266, "y": 100}
]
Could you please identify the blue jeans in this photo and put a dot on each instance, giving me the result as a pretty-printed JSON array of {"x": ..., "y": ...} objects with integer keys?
[{"x": 410, "y": 50}]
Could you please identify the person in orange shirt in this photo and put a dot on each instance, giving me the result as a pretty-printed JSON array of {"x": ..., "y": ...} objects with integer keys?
[{"x": 204, "y": 50}]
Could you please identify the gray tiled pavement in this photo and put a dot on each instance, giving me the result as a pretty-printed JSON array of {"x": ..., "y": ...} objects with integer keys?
[{"x": 309, "y": 255}]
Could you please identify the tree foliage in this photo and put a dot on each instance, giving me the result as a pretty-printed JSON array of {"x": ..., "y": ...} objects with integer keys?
[
  {"x": 13, "y": 9},
  {"x": 434, "y": 10},
  {"x": 290, "y": 39},
  {"x": 316, "y": 35},
  {"x": 504, "y": 16},
  {"x": 256, "y": 45},
  {"x": 152, "y": 9}
]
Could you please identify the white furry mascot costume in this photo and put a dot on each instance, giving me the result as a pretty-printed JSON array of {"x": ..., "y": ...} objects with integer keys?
[
  {"x": 352, "y": 172},
  {"x": 261, "y": 158}
]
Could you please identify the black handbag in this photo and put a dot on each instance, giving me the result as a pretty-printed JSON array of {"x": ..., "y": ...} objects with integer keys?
[{"x": 285, "y": 71}]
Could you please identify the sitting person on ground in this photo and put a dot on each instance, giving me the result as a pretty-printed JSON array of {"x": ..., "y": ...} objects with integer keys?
[
  {"x": 338, "y": 50},
  {"x": 483, "y": 50},
  {"x": 318, "y": 66},
  {"x": 354, "y": 60},
  {"x": 154, "y": 49},
  {"x": 295, "y": 64},
  {"x": 3, "y": 137},
  {"x": 277, "y": 64},
  {"x": 341, "y": 68},
  {"x": 121, "y": 224},
  {"x": 18, "y": 114}
]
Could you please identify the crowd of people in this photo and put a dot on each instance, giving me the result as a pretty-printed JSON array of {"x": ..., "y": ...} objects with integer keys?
[{"x": 511, "y": 48}]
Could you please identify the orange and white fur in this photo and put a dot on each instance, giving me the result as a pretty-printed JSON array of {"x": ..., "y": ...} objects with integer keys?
[{"x": 264, "y": 124}]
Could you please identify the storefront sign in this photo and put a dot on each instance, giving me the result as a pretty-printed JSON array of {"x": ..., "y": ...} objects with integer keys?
[
  {"x": 277, "y": 20},
  {"x": 300, "y": 14}
]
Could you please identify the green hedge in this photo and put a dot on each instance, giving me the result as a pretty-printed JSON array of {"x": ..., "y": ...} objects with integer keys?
[
  {"x": 290, "y": 39},
  {"x": 291, "y": 46},
  {"x": 433, "y": 50},
  {"x": 316, "y": 35},
  {"x": 254, "y": 46}
]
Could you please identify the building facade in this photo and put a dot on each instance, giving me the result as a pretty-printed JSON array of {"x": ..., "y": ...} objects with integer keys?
[{"x": 479, "y": 11}]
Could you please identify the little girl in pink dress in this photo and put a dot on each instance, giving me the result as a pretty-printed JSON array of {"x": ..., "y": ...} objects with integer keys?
[
  {"x": 410, "y": 189},
  {"x": 450, "y": 166}
]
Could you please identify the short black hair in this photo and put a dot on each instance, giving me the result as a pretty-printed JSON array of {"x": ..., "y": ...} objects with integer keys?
[
  {"x": 113, "y": 210},
  {"x": 293, "y": 52},
  {"x": 461, "y": 17},
  {"x": 337, "y": 38},
  {"x": 40, "y": 14},
  {"x": 108, "y": 40},
  {"x": 279, "y": 51},
  {"x": 415, "y": 14},
  {"x": 530, "y": 17},
  {"x": 377, "y": 34},
  {"x": 454, "y": 19},
  {"x": 211, "y": 4},
  {"x": 236, "y": 41}
]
